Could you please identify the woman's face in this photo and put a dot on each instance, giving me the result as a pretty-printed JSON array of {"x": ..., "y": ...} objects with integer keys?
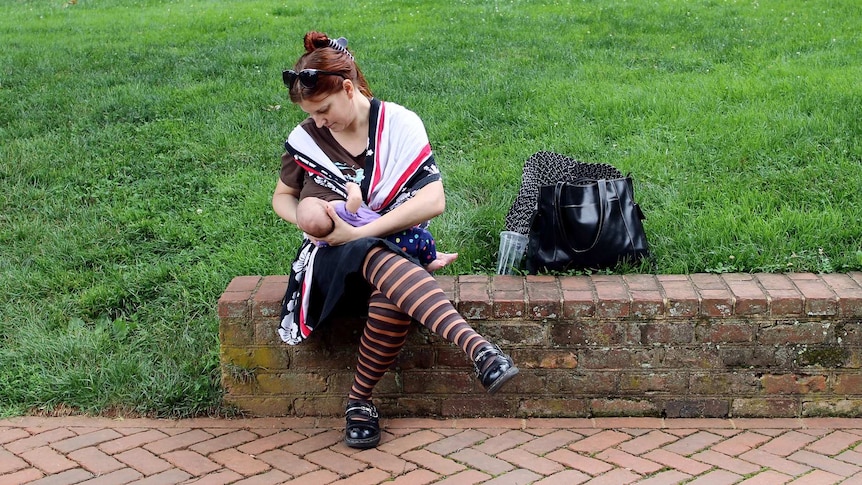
[{"x": 334, "y": 111}]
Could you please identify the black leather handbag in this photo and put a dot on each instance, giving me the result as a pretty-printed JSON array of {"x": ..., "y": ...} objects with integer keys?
[{"x": 586, "y": 224}]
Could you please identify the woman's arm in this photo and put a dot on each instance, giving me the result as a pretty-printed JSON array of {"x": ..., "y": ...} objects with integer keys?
[
  {"x": 284, "y": 201},
  {"x": 429, "y": 202}
]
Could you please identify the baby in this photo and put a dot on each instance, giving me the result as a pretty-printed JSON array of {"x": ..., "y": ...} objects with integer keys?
[{"x": 312, "y": 218}]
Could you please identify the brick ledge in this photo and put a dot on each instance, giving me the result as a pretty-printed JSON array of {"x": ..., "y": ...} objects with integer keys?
[
  {"x": 676, "y": 346},
  {"x": 480, "y": 297}
]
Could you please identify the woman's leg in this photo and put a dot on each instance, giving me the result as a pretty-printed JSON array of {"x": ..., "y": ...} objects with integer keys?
[
  {"x": 417, "y": 294},
  {"x": 405, "y": 291},
  {"x": 384, "y": 335},
  {"x": 413, "y": 290}
]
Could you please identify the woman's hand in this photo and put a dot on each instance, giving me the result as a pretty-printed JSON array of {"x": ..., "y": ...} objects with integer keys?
[{"x": 342, "y": 232}]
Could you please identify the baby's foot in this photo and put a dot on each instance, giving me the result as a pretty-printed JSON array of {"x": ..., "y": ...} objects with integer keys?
[{"x": 443, "y": 260}]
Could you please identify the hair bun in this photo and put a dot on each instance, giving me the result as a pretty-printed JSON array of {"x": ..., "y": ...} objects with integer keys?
[{"x": 315, "y": 40}]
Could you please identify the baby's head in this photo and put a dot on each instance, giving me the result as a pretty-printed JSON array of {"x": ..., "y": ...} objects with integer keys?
[{"x": 312, "y": 218}]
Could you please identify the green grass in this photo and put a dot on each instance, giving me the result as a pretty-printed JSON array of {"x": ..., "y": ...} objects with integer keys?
[{"x": 140, "y": 142}]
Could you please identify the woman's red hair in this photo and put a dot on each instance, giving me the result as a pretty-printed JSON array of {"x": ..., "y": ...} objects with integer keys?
[{"x": 320, "y": 54}]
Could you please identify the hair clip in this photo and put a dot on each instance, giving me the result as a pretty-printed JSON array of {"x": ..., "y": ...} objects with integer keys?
[{"x": 341, "y": 45}]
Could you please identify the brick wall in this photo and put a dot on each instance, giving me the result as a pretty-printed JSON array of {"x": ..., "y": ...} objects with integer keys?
[{"x": 763, "y": 345}]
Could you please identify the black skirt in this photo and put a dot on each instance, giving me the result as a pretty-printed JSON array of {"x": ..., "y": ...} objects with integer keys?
[{"x": 338, "y": 288}]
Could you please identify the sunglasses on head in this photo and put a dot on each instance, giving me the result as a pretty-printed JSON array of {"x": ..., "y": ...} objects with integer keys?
[{"x": 307, "y": 77}]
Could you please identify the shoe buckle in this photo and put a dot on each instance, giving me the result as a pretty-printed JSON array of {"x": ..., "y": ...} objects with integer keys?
[
  {"x": 370, "y": 411},
  {"x": 493, "y": 349}
]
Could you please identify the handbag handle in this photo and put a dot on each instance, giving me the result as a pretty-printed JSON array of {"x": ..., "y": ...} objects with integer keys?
[{"x": 603, "y": 196}]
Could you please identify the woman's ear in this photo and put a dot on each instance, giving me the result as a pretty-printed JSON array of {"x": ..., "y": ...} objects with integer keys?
[{"x": 349, "y": 87}]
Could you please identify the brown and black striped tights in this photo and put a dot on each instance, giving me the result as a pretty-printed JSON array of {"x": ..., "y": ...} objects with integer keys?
[{"x": 403, "y": 289}]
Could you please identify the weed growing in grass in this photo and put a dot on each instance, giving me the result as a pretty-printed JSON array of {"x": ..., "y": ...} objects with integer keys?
[{"x": 141, "y": 142}]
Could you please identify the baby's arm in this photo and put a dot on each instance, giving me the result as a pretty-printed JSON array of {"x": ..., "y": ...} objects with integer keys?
[{"x": 354, "y": 197}]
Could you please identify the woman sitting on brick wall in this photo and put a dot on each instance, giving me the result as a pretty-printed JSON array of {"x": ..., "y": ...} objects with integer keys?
[{"x": 351, "y": 136}]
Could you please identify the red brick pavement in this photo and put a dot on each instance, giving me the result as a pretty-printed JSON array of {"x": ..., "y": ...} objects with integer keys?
[{"x": 308, "y": 451}]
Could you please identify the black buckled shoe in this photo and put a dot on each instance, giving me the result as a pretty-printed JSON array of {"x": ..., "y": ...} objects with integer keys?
[
  {"x": 494, "y": 368},
  {"x": 363, "y": 427}
]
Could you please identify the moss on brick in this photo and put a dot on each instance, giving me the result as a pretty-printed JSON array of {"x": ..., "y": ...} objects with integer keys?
[{"x": 823, "y": 356}]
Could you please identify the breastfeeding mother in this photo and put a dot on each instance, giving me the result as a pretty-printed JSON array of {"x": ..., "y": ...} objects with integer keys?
[{"x": 351, "y": 136}]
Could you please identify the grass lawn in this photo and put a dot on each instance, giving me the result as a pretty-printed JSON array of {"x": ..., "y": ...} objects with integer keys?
[{"x": 140, "y": 143}]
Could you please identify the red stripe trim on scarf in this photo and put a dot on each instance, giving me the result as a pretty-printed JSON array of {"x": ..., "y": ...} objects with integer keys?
[
  {"x": 303, "y": 328},
  {"x": 411, "y": 170},
  {"x": 377, "y": 170},
  {"x": 307, "y": 168}
]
